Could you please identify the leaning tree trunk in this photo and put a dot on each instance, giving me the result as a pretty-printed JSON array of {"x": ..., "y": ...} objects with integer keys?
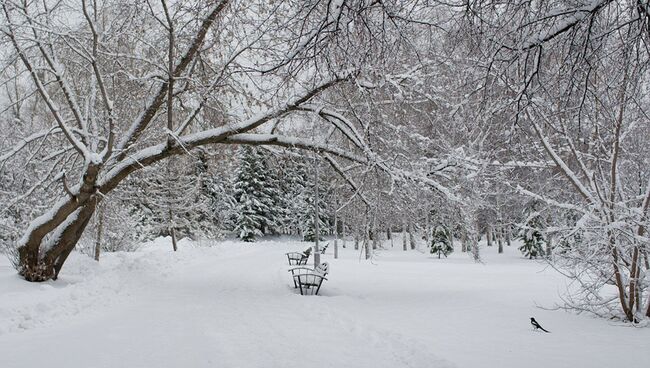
[
  {"x": 65, "y": 222},
  {"x": 34, "y": 267}
]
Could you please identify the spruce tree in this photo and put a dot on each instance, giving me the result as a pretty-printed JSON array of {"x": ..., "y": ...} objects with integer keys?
[
  {"x": 531, "y": 235},
  {"x": 440, "y": 242},
  {"x": 256, "y": 196}
]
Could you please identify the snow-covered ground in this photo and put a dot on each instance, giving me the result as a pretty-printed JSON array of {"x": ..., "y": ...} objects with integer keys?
[{"x": 232, "y": 305}]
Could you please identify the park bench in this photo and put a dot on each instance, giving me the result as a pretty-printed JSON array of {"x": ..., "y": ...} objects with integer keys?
[
  {"x": 323, "y": 249},
  {"x": 309, "y": 280},
  {"x": 298, "y": 258}
]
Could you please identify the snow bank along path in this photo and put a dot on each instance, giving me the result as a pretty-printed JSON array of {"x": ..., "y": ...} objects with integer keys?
[{"x": 232, "y": 305}]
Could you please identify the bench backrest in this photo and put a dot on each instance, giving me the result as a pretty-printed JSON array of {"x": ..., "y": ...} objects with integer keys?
[{"x": 322, "y": 269}]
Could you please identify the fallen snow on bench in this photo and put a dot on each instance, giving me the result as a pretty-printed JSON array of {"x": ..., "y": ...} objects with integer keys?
[{"x": 233, "y": 305}]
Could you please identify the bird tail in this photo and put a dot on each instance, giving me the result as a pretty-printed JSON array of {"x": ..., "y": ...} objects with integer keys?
[{"x": 543, "y": 329}]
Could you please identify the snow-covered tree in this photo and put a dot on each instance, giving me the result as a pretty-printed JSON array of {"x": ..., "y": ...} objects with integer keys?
[
  {"x": 533, "y": 241},
  {"x": 126, "y": 86},
  {"x": 441, "y": 241},
  {"x": 256, "y": 194},
  {"x": 309, "y": 199}
]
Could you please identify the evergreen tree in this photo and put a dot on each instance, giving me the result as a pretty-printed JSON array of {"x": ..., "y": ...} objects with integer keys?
[
  {"x": 170, "y": 199},
  {"x": 308, "y": 201},
  {"x": 440, "y": 242},
  {"x": 248, "y": 221},
  {"x": 221, "y": 202},
  {"x": 307, "y": 219},
  {"x": 256, "y": 196},
  {"x": 531, "y": 235}
]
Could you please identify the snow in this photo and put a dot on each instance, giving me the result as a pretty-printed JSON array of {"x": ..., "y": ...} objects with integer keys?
[{"x": 232, "y": 304}]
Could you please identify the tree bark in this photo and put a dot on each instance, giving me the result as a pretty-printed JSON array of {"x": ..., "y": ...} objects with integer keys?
[{"x": 428, "y": 229}]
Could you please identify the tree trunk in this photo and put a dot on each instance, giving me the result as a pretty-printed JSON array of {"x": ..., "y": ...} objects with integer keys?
[
  {"x": 499, "y": 238},
  {"x": 366, "y": 239},
  {"x": 174, "y": 244},
  {"x": 356, "y": 238},
  {"x": 375, "y": 232},
  {"x": 427, "y": 230},
  {"x": 100, "y": 227},
  {"x": 411, "y": 236},
  {"x": 343, "y": 231},
  {"x": 336, "y": 236},
  {"x": 316, "y": 215},
  {"x": 489, "y": 235},
  {"x": 66, "y": 221},
  {"x": 172, "y": 231},
  {"x": 404, "y": 226},
  {"x": 507, "y": 232}
]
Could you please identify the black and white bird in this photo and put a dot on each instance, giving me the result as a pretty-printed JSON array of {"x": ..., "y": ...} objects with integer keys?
[{"x": 536, "y": 325}]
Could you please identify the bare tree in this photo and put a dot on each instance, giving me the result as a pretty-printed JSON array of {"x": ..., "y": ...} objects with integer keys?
[{"x": 573, "y": 76}]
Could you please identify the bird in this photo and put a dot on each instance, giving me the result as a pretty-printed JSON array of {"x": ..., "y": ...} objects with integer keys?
[{"x": 537, "y": 325}]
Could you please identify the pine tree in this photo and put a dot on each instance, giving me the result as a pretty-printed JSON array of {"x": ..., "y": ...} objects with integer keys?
[
  {"x": 531, "y": 235},
  {"x": 440, "y": 242}
]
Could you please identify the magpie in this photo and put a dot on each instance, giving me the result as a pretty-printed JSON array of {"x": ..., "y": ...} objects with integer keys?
[{"x": 536, "y": 325}]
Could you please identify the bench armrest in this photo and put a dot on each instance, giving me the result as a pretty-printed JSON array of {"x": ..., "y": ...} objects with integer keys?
[{"x": 305, "y": 277}]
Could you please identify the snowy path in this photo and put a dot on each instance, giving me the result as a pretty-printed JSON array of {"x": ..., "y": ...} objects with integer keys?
[{"x": 231, "y": 306}]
